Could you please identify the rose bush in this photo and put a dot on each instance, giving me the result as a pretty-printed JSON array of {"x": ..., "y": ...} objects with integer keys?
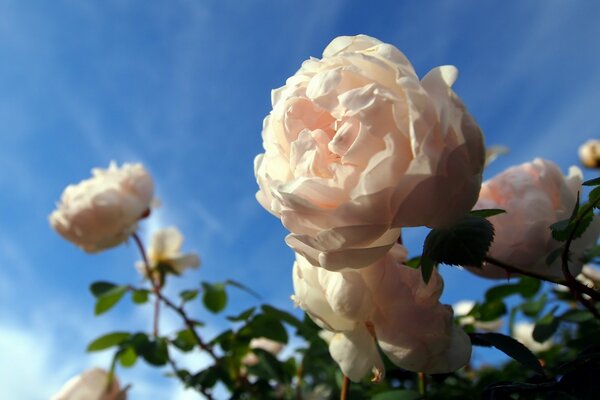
[
  {"x": 356, "y": 147},
  {"x": 387, "y": 301},
  {"x": 535, "y": 195},
  {"x": 101, "y": 212},
  {"x": 91, "y": 384}
]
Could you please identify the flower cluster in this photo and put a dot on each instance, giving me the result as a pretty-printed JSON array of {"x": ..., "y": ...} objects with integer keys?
[{"x": 357, "y": 147}]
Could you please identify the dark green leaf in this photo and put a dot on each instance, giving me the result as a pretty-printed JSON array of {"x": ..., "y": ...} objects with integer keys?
[
  {"x": 491, "y": 310},
  {"x": 510, "y": 347},
  {"x": 594, "y": 195},
  {"x": 592, "y": 182},
  {"x": 243, "y": 316},
  {"x": 466, "y": 243},
  {"x": 263, "y": 325},
  {"x": 562, "y": 230},
  {"x": 140, "y": 296},
  {"x": 109, "y": 299},
  {"x": 554, "y": 255},
  {"x": 546, "y": 327},
  {"x": 108, "y": 340},
  {"x": 577, "y": 316},
  {"x": 101, "y": 287},
  {"x": 188, "y": 295},
  {"x": 501, "y": 291},
  {"x": 154, "y": 351},
  {"x": 533, "y": 307},
  {"x": 185, "y": 340},
  {"x": 427, "y": 266},
  {"x": 268, "y": 366},
  {"x": 214, "y": 297},
  {"x": 127, "y": 357},
  {"x": 397, "y": 395},
  {"x": 487, "y": 213}
]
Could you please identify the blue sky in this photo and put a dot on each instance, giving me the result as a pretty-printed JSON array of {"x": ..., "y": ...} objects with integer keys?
[{"x": 183, "y": 86}]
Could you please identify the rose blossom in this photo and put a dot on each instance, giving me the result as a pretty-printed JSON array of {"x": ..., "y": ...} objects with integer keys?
[
  {"x": 165, "y": 250},
  {"x": 387, "y": 301},
  {"x": 91, "y": 384},
  {"x": 262, "y": 343},
  {"x": 523, "y": 332},
  {"x": 535, "y": 195},
  {"x": 357, "y": 146},
  {"x": 589, "y": 153},
  {"x": 101, "y": 212}
]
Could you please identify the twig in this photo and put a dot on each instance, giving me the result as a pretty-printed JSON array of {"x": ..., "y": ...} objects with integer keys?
[
  {"x": 178, "y": 309},
  {"x": 345, "y": 387}
]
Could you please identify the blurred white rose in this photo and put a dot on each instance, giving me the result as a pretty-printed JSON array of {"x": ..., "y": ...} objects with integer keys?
[
  {"x": 523, "y": 332},
  {"x": 165, "y": 251},
  {"x": 92, "y": 384},
  {"x": 263, "y": 343},
  {"x": 357, "y": 146},
  {"x": 464, "y": 307},
  {"x": 589, "y": 153},
  {"x": 385, "y": 304},
  {"x": 101, "y": 212},
  {"x": 535, "y": 195}
]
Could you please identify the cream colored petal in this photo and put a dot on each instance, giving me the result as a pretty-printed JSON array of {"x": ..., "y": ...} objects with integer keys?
[{"x": 356, "y": 353}]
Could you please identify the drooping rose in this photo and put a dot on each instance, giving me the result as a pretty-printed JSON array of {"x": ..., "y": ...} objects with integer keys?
[
  {"x": 165, "y": 251},
  {"x": 101, "y": 212},
  {"x": 357, "y": 146},
  {"x": 91, "y": 384},
  {"x": 535, "y": 195},
  {"x": 389, "y": 305}
]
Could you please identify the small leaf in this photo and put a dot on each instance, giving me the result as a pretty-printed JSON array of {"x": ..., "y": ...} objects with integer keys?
[
  {"x": 508, "y": 346},
  {"x": 413, "y": 262},
  {"x": 545, "y": 327},
  {"x": 534, "y": 307},
  {"x": 268, "y": 366},
  {"x": 487, "y": 212},
  {"x": 101, "y": 287},
  {"x": 127, "y": 357},
  {"x": 592, "y": 182},
  {"x": 185, "y": 340},
  {"x": 243, "y": 316},
  {"x": 214, "y": 297},
  {"x": 108, "y": 340},
  {"x": 577, "y": 316},
  {"x": 491, "y": 310},
  {"x": 397, "y": 395},
  {"x": 139, "y": 296},
  {"x": 427, "y": 266},
  {"x": 188, "y": 295},
  {"x": 266, "y": 326},
  {"x": 109, "y": 299},
  {"x": 465, "y": 243},
  {"x": 154, "y": 351}
]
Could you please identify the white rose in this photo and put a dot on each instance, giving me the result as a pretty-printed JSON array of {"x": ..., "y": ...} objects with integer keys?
[
  {"x": 535, "y": 195},
  {"x": 92, "y": 384},
  {"x": 523, "y": 332},
  {"x": 165, "y": 250},
  {"x": 101, "y": 212},
  {"x": 388, "y": 305},
  {"x": 357, "y": 146},
  {"x": 464, "y": 307}
]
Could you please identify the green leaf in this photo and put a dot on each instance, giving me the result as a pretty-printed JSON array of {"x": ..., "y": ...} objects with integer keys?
[
  {"x": 268, "y": 366},
  {"x": 127, "y": 357},
  {"x": 545, "y": 327},
  {"x": 592, "y": 182},
  {"x": 465, "y": 243},
  {"x": 508, "y": 346},
  {"x": 107, "y": 341},
  {"x": 243, "y": 316},
  {"x": 491, "y": 310},
  {"x": 214, "y": 297},
  {"x": 594, "y": 195},
  {"x": 154, "y": 351},
  {"x": 242, "y": 287},
  {"x": 263, "y": 325},
  {"x": 427, "y": 266},
  {"x": 526, "y": 287},
  {"x": 487, "y": 212},
  {"x": 140, "y": 296},
  {"x": 101, "y": 287},
  {"x": 534, "y": 307},
  {"x": 185, "y": 340},
  {"x": 562, "y": 230},
  {"x": 577, "y": 316},
  {"x": 554, "y": 255},
  {"x": 109, "y": 299},
  {"x": 188, "y": 295},
  {"x": 397, "y": 395},
  {"x": 413, "y": 262}
]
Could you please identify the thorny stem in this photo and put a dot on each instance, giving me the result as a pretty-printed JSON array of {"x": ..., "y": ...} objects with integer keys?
[
  {"x": 345, "y": 387},
  {"x": 511, "y": 268},
  {"x": 178, "y": 309},
  {"x": 422, "y": 384},
  {"x": 572, "y": 283}
]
